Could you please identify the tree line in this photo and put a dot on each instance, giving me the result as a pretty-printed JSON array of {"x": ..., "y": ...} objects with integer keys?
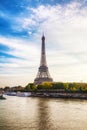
[{"x": 73, "y": 87}]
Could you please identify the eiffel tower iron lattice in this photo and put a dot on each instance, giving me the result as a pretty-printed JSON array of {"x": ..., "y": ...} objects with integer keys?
[{"x": 43, "y": 74}]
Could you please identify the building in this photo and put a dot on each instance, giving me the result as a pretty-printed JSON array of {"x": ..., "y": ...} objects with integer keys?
[{"x": 43, "y": 74}]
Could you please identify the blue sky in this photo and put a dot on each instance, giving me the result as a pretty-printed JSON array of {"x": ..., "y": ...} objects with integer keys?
[{"x": 22, "y": 23}]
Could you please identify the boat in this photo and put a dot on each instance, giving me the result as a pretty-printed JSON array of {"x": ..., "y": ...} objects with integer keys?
[
  {"x": 23, "y": 94},
  {"x": 1, "y": 96},
  {"x": 11, "y": 93}
]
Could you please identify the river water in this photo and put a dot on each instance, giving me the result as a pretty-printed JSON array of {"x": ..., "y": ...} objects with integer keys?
[{"x": 27, "y": 113}]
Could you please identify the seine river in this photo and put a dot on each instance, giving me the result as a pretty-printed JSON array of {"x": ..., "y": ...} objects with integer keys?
[{"x": 26, "y": 113}]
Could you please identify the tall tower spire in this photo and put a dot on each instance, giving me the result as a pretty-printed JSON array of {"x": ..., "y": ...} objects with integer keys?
[
  {"x": 43, "y": 73},
  {"x": 43, "y": 55}
]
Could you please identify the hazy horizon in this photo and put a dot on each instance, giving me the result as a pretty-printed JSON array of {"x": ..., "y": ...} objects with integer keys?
[{"x": 22, "y": 23}]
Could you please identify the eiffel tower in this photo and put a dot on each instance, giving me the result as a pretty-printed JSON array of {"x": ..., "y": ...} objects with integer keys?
[{"x": 43, "y": 72}]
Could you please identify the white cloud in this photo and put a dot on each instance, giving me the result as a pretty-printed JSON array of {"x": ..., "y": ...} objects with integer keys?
[
  {"x": 28, "y": 58},
  {"x": 20, "y": 47},
  {"x": 65, "y": 27}
]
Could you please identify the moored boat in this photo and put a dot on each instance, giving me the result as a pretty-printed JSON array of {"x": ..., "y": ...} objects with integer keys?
[
  {"x": 11, "y": 93},
  {"x": 23, "y": 94},
  {"x": 1, "y": 96}
]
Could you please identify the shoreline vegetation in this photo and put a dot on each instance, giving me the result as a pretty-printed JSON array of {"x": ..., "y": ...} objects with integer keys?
[{"x": 52, "y": 90}]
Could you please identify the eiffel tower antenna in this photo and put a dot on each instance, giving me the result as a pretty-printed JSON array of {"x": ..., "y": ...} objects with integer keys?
[{"x": 43, "y": 72}]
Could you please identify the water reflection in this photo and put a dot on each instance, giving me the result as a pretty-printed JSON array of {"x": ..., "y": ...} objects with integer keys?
[
  {"x": 43, "y": 115},
  {"x": 18, "y": 113},
  {"x": 55, "y": 114}
]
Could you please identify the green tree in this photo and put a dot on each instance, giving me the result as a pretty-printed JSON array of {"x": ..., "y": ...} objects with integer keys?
[
  {"x": 66, "y": 86},
  {"x": 27, "y": 87},
  {"x": 58, "y": 85},
  {"x": 47, "y": 85},
  {"x": 30, "y": 86}
]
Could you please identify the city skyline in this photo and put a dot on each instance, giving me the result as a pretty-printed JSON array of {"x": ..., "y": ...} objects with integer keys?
[{"x": 22, "y": 23}]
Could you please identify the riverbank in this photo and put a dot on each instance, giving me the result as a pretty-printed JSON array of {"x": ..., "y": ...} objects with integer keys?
[
  {"x": 60, "y": 95},
  {"x": 50, "y": 94}
]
